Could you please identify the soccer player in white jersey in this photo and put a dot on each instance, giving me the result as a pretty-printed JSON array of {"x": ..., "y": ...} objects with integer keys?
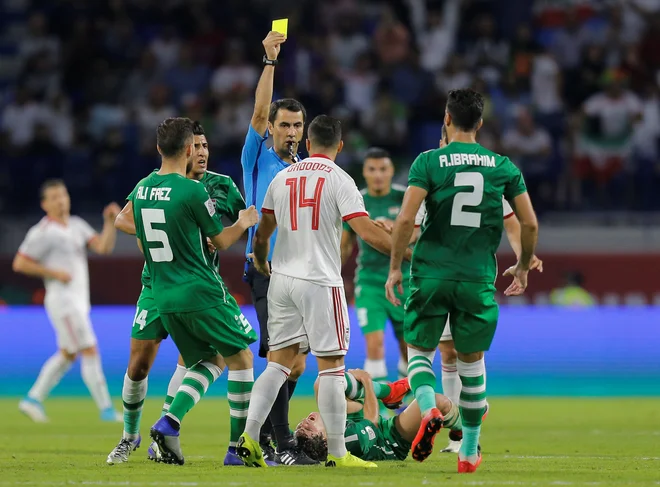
[
  {"x": 55, "y": 249},
  {"x": 307, "y": 308}
]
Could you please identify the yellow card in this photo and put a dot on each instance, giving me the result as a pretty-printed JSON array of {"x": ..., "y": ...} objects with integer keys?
[{"x": 280, "y": 25}]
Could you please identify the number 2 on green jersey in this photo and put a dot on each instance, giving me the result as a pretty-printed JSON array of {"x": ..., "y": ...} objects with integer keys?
[
  {"x": 460, "y": 218},
  {"x": 149, "y": 217}
]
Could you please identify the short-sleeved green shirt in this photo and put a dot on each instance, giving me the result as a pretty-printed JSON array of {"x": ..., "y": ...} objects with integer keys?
[
  {"x": 463, "y": 225},
  {"x": 228, "y": 202},
  {"x": 372, "y": 265},
  {"x": 173, "y": 216}
]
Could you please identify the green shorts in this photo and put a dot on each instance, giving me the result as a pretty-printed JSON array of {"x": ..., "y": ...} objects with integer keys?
[
  {"x": 471, "y": 307},
  {"x": 147, "y": 324},
  {"x": 373, "y": 310},
  {"x": 201, "y": 335},
  {"x": 392, "y": 439}
]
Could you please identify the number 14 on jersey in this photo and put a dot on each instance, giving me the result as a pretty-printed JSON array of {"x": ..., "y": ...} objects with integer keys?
[{"x": 298, "y": 199}]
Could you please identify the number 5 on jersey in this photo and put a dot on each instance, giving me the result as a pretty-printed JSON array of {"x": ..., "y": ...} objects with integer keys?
[
  {"x": 298, "y": 199},
  {"x": 149, "y": 217}
]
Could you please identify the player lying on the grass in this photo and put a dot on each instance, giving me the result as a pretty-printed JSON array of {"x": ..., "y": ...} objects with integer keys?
[
  {"x": 148, "y": 329},
  {"x": 368, "y": 435}
]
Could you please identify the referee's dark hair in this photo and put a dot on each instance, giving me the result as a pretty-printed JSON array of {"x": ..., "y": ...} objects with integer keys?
[
  {"x": 376, "y": 153},
  {"x": 286, "y": 104},
  {"x": 324, "y": 131}
]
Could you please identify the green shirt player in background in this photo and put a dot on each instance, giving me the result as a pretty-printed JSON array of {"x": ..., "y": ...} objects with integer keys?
[
  {"x": 382, "y": 200},
  {"x": 148, "y": 330},
  {"x": 173, "y": 218},
  {"x": 454, "y": 267}
]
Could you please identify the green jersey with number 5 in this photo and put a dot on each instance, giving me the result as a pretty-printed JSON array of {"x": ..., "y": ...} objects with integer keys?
[
  {"x": 173, "y": 216},
  {"x": 463, "y": 226}
]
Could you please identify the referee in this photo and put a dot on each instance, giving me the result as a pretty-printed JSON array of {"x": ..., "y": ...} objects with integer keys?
[{"x": 285, "y": 121}]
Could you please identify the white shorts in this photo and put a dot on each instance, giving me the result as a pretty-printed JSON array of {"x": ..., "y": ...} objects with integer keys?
[
  {"x": 446, "y": 333},
  {"x": 302, "y": 312},
  {"x": 73, "y": 328}
]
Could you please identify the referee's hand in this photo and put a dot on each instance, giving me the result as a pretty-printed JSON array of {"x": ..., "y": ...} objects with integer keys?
[{"x": 272, "y": 44}]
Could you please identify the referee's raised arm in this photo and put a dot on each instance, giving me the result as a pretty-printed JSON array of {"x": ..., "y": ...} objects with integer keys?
[{"x": 264, "y": 94}]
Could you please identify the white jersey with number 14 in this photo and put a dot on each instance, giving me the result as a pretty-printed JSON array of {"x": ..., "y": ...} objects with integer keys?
[{"x": 309, "y": 200}]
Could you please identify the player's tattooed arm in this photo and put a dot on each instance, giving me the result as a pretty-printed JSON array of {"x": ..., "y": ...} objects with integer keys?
[
  {"x": 125, "y": 221},
  {"x": 261, "y": 242},
  {"x": 401, "y": 234},
  {"x": 347, "y": 244}
]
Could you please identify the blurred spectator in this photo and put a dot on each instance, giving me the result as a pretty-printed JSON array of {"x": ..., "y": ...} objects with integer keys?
[
  {"x": 455, "y": 75},
  {"x": 188, "y": 77},
  {"x": 391, "y": 39},
  {"x": 529, "y": 147},
  {"x": 235, "y": 74},
  {"x": 385, "y": 122},
  {"x": 347, "y": 43},
  {"x": 38, "y": 39},
  {"x": 141, "y": 80},
  {"x": 360, "y": 84},
  {"x": 21, "y": 117},
  {"x": 436, "y": 40},
  {"x": 149, "y": 115},
  {"x": 486, "y": 54},
  {"x": 166, "y": 47},
  {"x": 523, "y": 50}
]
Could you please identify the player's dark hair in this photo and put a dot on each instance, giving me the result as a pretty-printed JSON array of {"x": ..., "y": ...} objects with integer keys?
[
  {"x": 286, "y": 104},
  {"x": 324, "y": 131},
  {"x": 376, "y": 153},
  {"x": 466, "y": 108},
  {"x": 47, "y": 184},
  {"x": 173, "y": 135},
  {"x": 197, "y": 128},
  {"x": 316, "y": 447}
]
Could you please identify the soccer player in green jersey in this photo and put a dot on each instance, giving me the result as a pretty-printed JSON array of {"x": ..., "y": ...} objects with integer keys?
[
  {"x": 382, "y": 200},
  {"x": 454, "y": 267},
  {"x": 148, "y": 329},
  {"x": 173, "y": 217},
  {"x": 368, "y": 435}
]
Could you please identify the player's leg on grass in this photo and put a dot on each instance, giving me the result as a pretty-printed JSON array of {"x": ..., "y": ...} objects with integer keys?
[
  {"x": 451, "y": 383},
  {"x": 94, "y": 378},
  {"x": 473, "y": 327},
  {"x": 372, "y": 318},
  {"x": 173, "y": 385},
  {"x": 50, "y": 375},
  {"x": 390, "y": 394},
  {"x": 409, "y": 421},
  {"x": 134, "y": 391},
  {"x": 425, "y": 315}
]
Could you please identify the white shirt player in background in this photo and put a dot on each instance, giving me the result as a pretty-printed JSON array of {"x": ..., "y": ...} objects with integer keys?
[
  {"x": 55, "y": 249},
  {"x": 307, "y": 203}
]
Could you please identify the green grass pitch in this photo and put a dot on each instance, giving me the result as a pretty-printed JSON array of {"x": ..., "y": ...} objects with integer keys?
[{"x": 526, "y": 441}]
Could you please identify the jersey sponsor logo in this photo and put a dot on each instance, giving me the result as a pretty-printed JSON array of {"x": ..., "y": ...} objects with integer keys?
[
  {"x": 210, "y": 206},
  {"x": 394, "y": 210},
  {"x": 369, "y": 431}
]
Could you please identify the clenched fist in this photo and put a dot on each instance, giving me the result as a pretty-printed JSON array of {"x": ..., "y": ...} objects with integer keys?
[
  {"x": 272, "y": 44},
  {"x": 249, "y": 217}
]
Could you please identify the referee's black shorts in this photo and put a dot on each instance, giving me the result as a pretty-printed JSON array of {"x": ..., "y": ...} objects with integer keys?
[{"x": 259, "y": 285}]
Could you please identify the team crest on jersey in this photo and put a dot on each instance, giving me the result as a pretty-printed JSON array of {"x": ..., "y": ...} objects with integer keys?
[
  {"x": 394, "y": 210},
  {"x": 210, "y": 206}
]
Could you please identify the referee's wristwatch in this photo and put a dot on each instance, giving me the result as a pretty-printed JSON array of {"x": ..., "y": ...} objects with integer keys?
[{"x": 270, "y": 62}]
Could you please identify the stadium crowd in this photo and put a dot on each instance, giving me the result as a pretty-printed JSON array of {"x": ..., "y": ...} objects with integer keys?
[{"x": 572, "y": 92}]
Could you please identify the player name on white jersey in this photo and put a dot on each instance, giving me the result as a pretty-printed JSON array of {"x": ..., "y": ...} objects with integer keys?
[
  {"x": 159, "y": 194},
  {"x": 458, "y": 159}
]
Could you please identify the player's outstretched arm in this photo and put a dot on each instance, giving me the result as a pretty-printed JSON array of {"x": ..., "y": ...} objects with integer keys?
[
  {"x": 25, "y": 265},
  {"x": 105, "y": 244},
  {"x": 261, "y": 242},
  {"x": 125, "y": 221},
  {"x": 347, "y": 244},
  {"x": 264, "y": 93},
  {"x": 230, "y": 235},
  {"x": 373, "y": 235}
]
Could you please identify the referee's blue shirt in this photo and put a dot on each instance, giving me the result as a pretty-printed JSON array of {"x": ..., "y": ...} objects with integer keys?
[{"x": 260, "y": 165}]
